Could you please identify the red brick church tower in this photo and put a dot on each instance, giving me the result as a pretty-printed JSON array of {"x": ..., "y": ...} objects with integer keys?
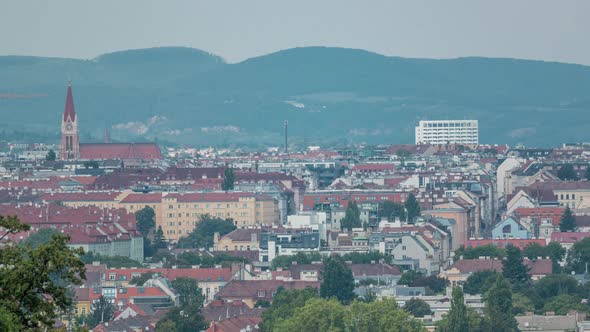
[{"x": 70, "y": 143}]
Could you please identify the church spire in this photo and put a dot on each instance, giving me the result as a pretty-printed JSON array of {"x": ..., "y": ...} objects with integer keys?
[{"x": 70, "y": 111}]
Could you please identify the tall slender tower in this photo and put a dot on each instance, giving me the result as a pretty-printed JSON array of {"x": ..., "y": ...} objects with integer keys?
[
  {"x": 70, "y": 143},
  {"x": 286, "y": 127}
]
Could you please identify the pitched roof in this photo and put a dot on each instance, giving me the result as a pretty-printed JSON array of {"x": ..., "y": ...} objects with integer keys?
[
  {"x": 120, "y": 151},
  {"x": 244, "y": 234},
  {"x": 537, "y": 267},
  {"x": 235, "y": 324},
  {"x": 249, "y": 289},
  {"x": 219, "y": 310},
  {"x": 69, "y": 111}
]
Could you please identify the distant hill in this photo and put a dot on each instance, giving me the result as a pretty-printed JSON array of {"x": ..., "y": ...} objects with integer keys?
[{"x": 329, "y": 96}]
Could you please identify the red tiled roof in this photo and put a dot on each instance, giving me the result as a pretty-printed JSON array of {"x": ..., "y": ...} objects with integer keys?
[
  {"x": 235, "y": 324},
  {"x": 143, "y": 198},
  {"x": 373, "y": 167},
  {"x": 98, "y": 196},
  {"x": 200, "y": 274},
  {"x": 569, "y": 237},
  {"x": 249, "y": 289},
  {"x": 538, "y": 267},
  {"x": 120, "y": 151}
]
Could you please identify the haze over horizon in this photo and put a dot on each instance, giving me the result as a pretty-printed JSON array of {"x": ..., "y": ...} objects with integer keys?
[{"x": 537, "y": 30}]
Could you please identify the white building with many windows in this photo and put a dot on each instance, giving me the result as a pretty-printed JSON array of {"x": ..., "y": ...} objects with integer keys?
[{"x": 447, "y": 132}]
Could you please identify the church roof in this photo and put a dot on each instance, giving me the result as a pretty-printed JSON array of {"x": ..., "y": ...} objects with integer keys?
[
  {"x": 69, "y": 112},
  {"x": 120, "y": 151}
]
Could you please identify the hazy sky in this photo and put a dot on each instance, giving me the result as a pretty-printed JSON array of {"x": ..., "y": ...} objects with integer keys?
[{"x": 532, "y": 29}]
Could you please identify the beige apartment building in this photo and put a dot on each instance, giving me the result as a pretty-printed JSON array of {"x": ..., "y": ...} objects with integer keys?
[{"x": 178, "y": 213}]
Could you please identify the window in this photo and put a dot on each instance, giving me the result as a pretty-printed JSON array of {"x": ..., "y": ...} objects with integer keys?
[
  {"x": 573, "y": 196},
  {"x": 261, "y": 293},
  {"x": 567, "y": 196},
  {"x": 122, "y": 290},
  {"x": 112, "y": 276},
  {"x": 140, "y": 290},
  {"x": 170, "y": 207},
  {"x": 83, "y": 311},
  {"x": 506, "y": 229},
  {"x": 403, "y": 247}
]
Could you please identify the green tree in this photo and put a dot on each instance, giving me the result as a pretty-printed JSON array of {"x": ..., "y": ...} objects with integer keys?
[
  {"x": 140, "y": 280},
  {"x": 433, "y": 284},
  {"x": 365, "y": 257},
  {"x": 488, "y": 250},
  {"x": 534, "y": 250},
  {"x": 567, "y": 172},
  {"x": 285, "y": 261},
  {"x": 159, "y": 239},
  {"x": 42, "y": 236},
  {"x": 352, "y": 217},
  {"x": 262, "y": 304},
  {"x": 556, "y": 284},
  {"x": 456, "y": 320},
  {"x": 412, "y": 208},
  {"x": 417, "y": 307},
  {"x": 513, "y": 267},
  {"x": 102, "y": 311},
  {"x": 557, "y": 253},
  {"x": 579, "y": 256},
  {"x": 315, "y": 315},
  {"x": 207, "y": 226},
  {"x": 146, "y": 220},
  {"x": 337, "y": 280},
  {"x": 186, "y": 318},
  {"x": 391, "y": 210},
  {"x": 383, "y": 315},
  {"x": 228, "y": 180},
  {"x": 111, "y": 261},
  {"x": 50, "y": 156},
  {"x": 567, "y": 221},
  {"x": 562, "y": 304},
  {"x": 522, "y": 304},
  {"x": 34, "y": 281},
  {"x": 188, "y": 291},
  {"x": 480, "y": 282},
  {"x": 409, "y": 277},
  {"x": 9, "y": 322},
  {"x": 284, "y": 304},
  {"x": 498, "y": 306}
]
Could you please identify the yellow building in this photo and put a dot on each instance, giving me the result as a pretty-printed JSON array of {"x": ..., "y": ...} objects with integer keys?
[
  {"x": 238, "y": 240},
  {"x": 178, "y": 213}
]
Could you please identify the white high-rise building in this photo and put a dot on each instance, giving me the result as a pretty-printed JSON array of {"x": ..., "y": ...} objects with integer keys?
[{"x": 448, "y": 132}]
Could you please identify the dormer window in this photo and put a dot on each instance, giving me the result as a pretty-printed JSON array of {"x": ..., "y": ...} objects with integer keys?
[{"x": 261, "y": 293}]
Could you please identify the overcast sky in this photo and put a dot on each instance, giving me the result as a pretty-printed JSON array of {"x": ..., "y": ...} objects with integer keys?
[{"x": 557, "y": 30}]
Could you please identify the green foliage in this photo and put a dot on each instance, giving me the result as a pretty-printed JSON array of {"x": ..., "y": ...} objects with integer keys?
[
  {"x": 417, "y": 307},
  {"x": 522, "y": 304},
  {"x": 34, "y": 281},
  {"x": 352, "y": 217},
  {"x": 567, "y": 172},
  {"x": 188, "y": 291},
  {"x": 408, "y": 277},
  {"x": 284, "y": 304},
  {"x": 432, "y": 283},
  {"x": 110, "y": 261},
  {"x": 159, "y": 239},
  {"x": 146, "y": 220},
  {"x": 553, "y": 250},
  {"x": 579, "y": 256},
  {"x": 498, "y": 306},
  {"x": 391, "y": 210},
  {"x": 456, "y": 320},
  {"x": 556, "y": 284},
  {"x": 186, "y": 318},
  {"x": 567, "y": 221},
  {"x": 9, "y": 322},
  {"x": 412, "y": 208},
  {"x": 513, "y": 267},
  {"x": 488, "y": 250},
  {"x": 42, "y": 236},
  {"x": 140, "y": 280},
  {"x": 337, "y": 280},
  {"x": 228, "y": 180},
  {"x": 315, "y": 315},
  {"x": 102, "y": 311},
  {"x": 331, "y": 315},
  {"x": 480, "y": 282},
  {"x": 207, "y": 226},
  {"x": 50, "y": 156},
  {"x": 262, "y": 304},
  {"x": 562, "y": 304},
  {"x": 366, "y": 257},
  {"x": 285, "y": 261},
  {"x": 11, "y": 224}
]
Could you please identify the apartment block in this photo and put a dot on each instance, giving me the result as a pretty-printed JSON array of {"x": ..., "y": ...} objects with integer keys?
[{"x": 464, "y": 132}]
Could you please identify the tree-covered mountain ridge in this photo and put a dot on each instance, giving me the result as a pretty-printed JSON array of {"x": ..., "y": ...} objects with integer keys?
[{"x": 328, "y": 95}]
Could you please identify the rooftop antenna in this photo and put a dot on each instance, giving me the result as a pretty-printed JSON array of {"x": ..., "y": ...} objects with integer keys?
[{"x": 286, "y": 128}]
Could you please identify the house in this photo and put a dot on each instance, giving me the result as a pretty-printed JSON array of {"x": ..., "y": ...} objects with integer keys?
[
  {"x": 567, "y": 239},
  {"x": 251, "y": 291},
  {"x": 463, "y": 268},
  {"x": 219, "y": 310},
  {"x": 236, "y": 324},
  {"x": 510, "y": 229},
  {"x": 241, "y": 239},
  {"x": 288, "y": 243}
]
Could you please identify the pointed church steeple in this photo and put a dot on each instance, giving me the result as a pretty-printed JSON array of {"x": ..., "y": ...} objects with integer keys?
[
  {"x": 69, "y": 110},
  {"x": 70, "y": 143}
]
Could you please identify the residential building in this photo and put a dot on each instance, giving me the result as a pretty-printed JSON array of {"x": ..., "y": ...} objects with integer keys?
[
  {"x": 510, "y": 229},
  {"x": 441, "y": 132},
  {"x": 287, "y": 243}
]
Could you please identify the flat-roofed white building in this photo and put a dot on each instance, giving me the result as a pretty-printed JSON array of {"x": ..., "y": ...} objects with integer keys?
[{"x": 447, "y": 132}]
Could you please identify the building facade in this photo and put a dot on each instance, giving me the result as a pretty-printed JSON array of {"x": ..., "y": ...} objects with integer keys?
[{"x": 448, "y": 132}]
